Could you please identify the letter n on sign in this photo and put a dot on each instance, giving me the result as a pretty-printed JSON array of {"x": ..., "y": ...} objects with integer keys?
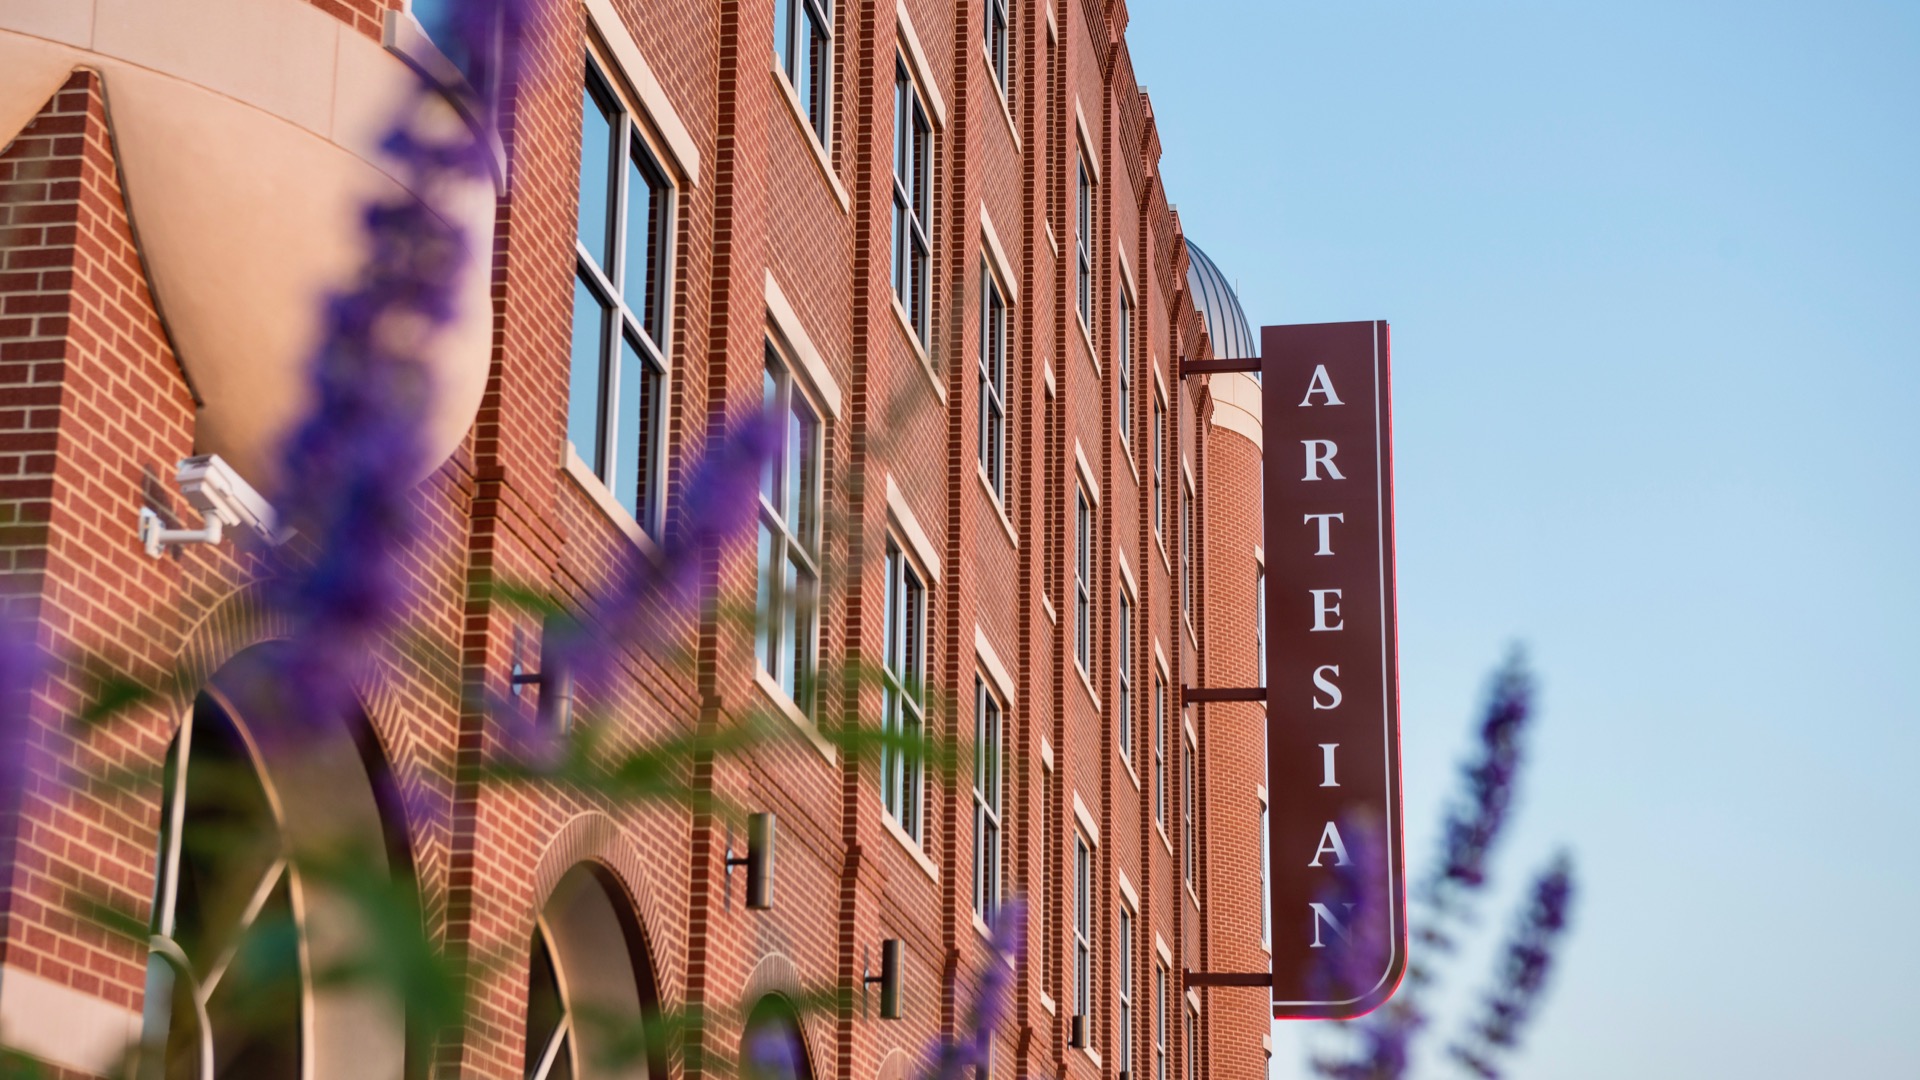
[{"x": 1333, "y": 723}]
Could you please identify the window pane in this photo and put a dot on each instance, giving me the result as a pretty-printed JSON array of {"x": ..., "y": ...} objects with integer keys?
[
  {"x": 766, "y": 604},
  {"x": 586, "y": 413},
  {"x": 629, "y": 461},
  {"x": 597, "y": 122},
  {"x": 802, "y": 489},
  {"x": 783, "y": 34},
  {"x": 641, "y": 281}
]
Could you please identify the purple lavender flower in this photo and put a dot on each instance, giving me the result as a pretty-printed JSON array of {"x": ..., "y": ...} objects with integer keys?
[
  {"x": 1522, "y": 972},
  {"x": 349, "y": 468},
  {"x": 21, "y": 664},
  {"x": 1352, "y": 962},
  {"x": 973, "y": 1045},
  {"x": 1474, "y": 824}
]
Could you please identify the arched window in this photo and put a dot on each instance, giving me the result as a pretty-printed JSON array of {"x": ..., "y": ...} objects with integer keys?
[
  {"x": 590, "y": 985},
  {"x": 237, "y": 933},
  {"x": 771, "y": 1047}
]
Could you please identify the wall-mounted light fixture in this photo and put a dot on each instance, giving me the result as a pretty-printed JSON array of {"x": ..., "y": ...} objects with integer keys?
[
  {"x": 758, "y": 860},
  {"x": 555, "y": 680},
  {"x": 1077, "y": 1031},
  {"x": 889, "y": 980},
  {"x": 224, "y": 500}
]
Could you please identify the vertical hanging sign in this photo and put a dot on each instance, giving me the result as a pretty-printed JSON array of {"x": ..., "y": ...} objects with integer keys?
[{"x": 1333, "y": 725}]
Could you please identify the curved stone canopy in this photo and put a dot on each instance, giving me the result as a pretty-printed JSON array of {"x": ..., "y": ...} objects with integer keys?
[
  {"x": 1220, "y": 306},
  {"x": 248, "y": 137}
]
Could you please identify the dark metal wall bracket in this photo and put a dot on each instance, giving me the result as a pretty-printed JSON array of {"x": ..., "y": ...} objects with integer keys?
[
  {"x": 1226, "y": 978},
  {"x": 1202, "y": 694},
  {"x": 1188, "y": 368}
]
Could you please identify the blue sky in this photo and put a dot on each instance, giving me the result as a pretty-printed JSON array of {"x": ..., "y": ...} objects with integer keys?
[{"x": 1652, "y": 271}]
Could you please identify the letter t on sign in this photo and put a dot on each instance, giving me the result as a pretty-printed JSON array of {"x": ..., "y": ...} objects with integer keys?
[{"x": 1332, "y": 672}]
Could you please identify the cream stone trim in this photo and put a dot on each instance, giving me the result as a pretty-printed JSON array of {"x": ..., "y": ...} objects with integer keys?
[
  {"x": 997, "y": 255},
  {"x": 999, "y": 508},
  {"x": 917, "y": 61},
  {"x": 1260, "y": 557},
  {"x": 811, "y": 137},
  {"x": 1125, "y": 886},
  {"x": 800, "y": 347},
  {"x": 787, "y": 707},
  {"x": 912, "y": 846},
  {"x": 613, "y": 33},
  {"x": 1046, "y": 753},
  {"x": 63, "y": 1026},
  {"x": 1053, "y": 25},
  {"x": 1046, "y": 377},
  {"x": 594, "y": 488},
  {"x": 990, "y": 663},
  {"x": 919, "y": 348},
  {"x": 1126, "y": 574},
  {"x": 923, "y": 550},
  {"x": 1160, "y": 657},
  {"x": 1086, "y": 472},
  {"x": 1085, "y": 817},
  {"x": 1236, "y": 404},
  {"x": 1086, "y": 145},
  {"x": 1126, "y": 276},
  {"x": 1166, "y": 954}
]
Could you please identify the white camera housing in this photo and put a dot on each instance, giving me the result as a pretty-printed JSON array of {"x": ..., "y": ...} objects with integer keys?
[
  {"x": 213, "y": 488},
  {"x": 224, "y": 500}
]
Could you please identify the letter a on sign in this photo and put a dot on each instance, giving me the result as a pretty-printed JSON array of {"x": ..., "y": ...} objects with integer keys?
[{"x": 1337, "y": 873}]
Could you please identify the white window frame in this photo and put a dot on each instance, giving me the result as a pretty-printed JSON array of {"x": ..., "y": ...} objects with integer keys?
[
  {"x": 1159, "y": 449},
  {"x": 903, "y": 677},
  {"x": 1161, "y": 691},
  {"x": 628, "y": 453},
  {"x": 1189, "y": 777},
  {"x": 989, "y": 791},
  {"x": 788, "y": 538},
  {"x": 912, "y": 249},
  {"x": 1123, "y": 675},
  {"x": 1161, "y": 1003},
  {"x": 1084, "y": 185},
  {"x": 1123, "y": 364},
  {"x": 813, "y": 19},
  {"x": 1124, "y": 1019},
  {"x": 1083, "y": 580},
  {"x": 996, "y": 361},
  {"x": 1083, "y": 865}
]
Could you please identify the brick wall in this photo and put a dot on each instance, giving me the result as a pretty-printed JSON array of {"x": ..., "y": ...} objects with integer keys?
[{"x": 95, "y": 412}]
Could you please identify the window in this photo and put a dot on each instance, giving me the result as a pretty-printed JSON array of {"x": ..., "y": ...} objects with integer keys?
[
  {"x": 1083, "y": 242},
  {"x": 789, "y": 539},
  {"x": 1082, "y": 576},
  {"x": 1186, "y": 552},
  {"x": 1193, "y": 1042},
  {"x": 622, "y": 274},
  {"x": 1123, "y": 675},
  {"x": 803, "y": 45},
  {"x": 1159, "y": 482},
  {"x": 771, "y": 1047},
  {"x": 1125, "y": 944},
  {"x": 1082, "y": 928},
  {"x": 1266, "y": 879},
  {"x": 988, "y": 760},
  {"x": 1123, "y": 409},
  {"x": 1000, "y": 48},
  {"x": 903, "y": 675},
  {"x": 1188, "y": 781},
  {"x": 1160, "y": 749},
  {"x": 1160, "y": 1003},
  {"x": 1050, "y": 488},
  {"x": 1260, "y": 622},
  {"x": 1045, "y": 855},
  {"x": 993, "y": 385},
  {"x": 912, "y": 198}
]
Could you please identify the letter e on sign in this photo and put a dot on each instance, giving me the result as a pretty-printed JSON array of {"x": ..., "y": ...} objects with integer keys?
[{"x": 1337, "y": 873}]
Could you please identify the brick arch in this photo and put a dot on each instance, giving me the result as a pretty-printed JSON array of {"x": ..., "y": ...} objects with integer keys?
[
  {"x": 777, "y": 975},
  {"x": 592, "y": 837},
  {"x": 894, "y": 1065}
]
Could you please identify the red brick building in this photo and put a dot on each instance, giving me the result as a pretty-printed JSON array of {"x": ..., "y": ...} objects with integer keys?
[{"x": 936, "y": 238}]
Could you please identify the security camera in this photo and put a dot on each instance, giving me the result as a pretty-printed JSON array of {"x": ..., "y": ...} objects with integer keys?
[
  {"x": 224, "y": 500},
  {"x": 212, "y": 487}
]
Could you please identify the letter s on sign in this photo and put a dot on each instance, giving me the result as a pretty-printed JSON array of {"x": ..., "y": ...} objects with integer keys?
[{"x": 1325, "y": 685}]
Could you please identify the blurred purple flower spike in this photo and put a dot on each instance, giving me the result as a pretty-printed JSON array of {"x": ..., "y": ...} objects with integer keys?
[
  {"x": 349, "y": 468},
  {"x": 1522, "y": 973},
  {"x": 22, "y": 663},
  {"x": 721, "y": 498},
  {"x": 972, "y": 1046},
  {"x": 1473, "y": 825}
]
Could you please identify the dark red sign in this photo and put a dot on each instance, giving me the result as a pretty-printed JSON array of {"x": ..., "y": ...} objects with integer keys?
[{"x": 1333, "y": 724}]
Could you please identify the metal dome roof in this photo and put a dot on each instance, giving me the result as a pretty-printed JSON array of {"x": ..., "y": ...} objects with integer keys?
[{"x": 1226, "y": 323}]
